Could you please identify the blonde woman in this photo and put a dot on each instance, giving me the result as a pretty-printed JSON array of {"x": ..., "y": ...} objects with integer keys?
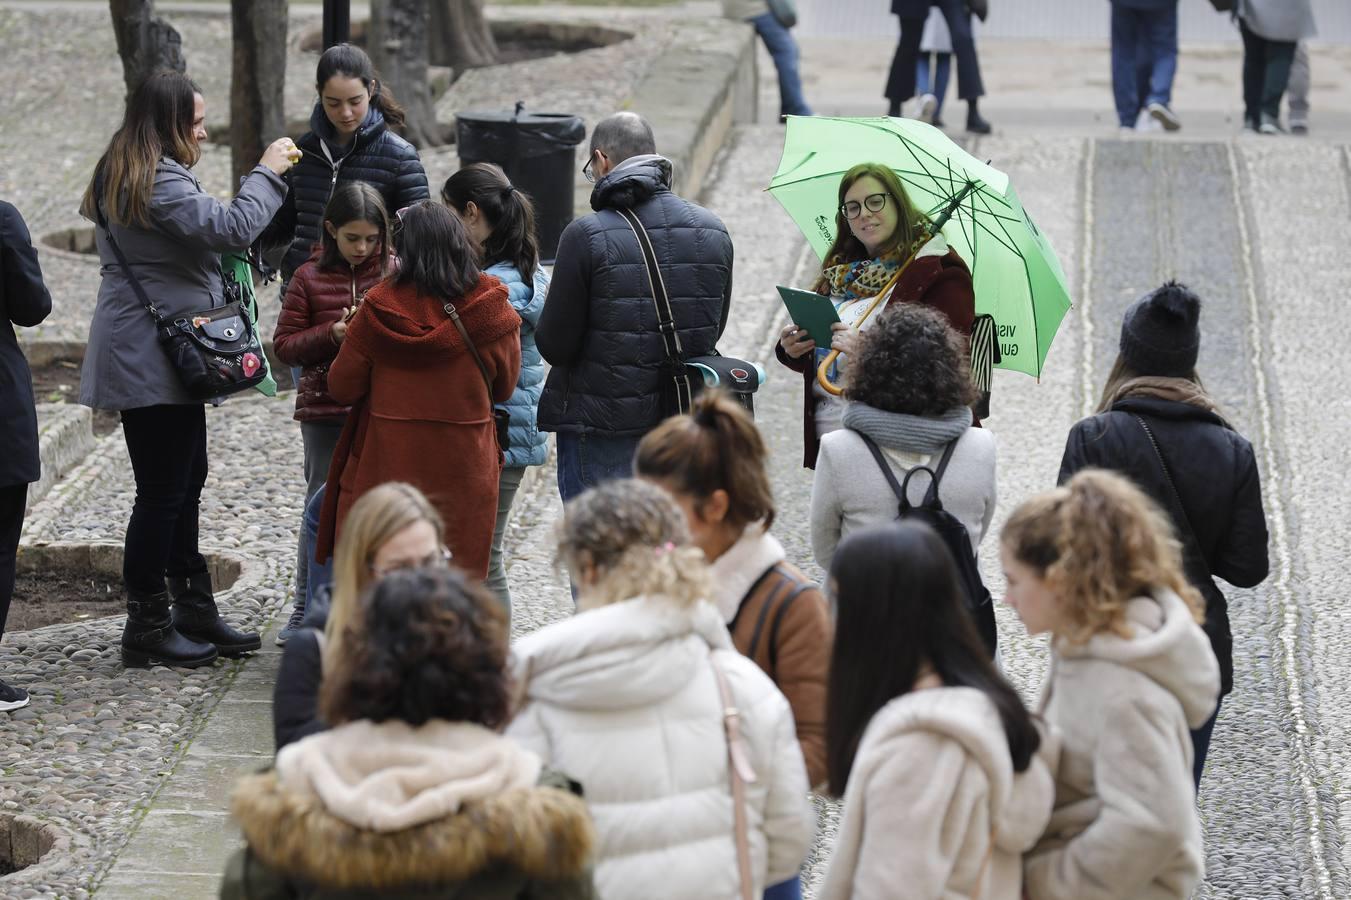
[
  {"x": 391, "y": 527},
  {"x": 1094, "y": 564},
  {"x": 624, "y": 697}
]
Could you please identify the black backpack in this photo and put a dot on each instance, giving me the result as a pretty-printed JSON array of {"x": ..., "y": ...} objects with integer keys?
[{"x": 948, "y": 527}]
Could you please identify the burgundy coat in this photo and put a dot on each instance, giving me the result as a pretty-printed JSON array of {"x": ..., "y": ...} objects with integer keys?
[
  {"x": 421, "y": 412},
  {"x": 315, "y": 299},
  {"x": 942, "y": 282}
]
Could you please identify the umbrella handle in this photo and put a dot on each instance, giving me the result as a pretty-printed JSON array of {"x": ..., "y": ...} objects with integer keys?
[{"x": 823, "y": 370}]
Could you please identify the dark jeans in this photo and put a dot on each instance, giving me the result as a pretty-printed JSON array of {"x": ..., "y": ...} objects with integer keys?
[
  {"x": 783, "y": 50},
  {"x": 167, "y": 444},
  {"x": 901, "y": 81},
  {"x": 1201, "y": 745},
  {"x": 1266, "y": 73},
  {"x": 13, "y": 498},
  {"x": 586, "y": 460},
  {"x": 1144, "y": 59},
  {"x": 319, "y": 438},
  {"x": 318, "y": 574},
  {"x": 785, "y": 890}
]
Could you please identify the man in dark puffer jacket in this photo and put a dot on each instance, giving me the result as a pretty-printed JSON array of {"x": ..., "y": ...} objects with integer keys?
[
  {"x": 377, "y": 156},
  {"x": 598, "y": 329}
]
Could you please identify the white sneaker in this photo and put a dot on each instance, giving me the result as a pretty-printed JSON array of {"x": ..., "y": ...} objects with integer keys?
[
  {"x": 924, "y": 110},
  {"x": 1146, "y": 122},
  {"x": 1164, "y": 116}
]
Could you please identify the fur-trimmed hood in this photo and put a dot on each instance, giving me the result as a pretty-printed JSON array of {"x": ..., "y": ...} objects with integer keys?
[{"x": 542, "y": 832}]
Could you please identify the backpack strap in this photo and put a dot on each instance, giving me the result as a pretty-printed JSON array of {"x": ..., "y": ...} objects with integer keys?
[
  {"x": 902, "y": 488},
  {"x": 764, "y": 611},
  {"x": 789, "y": 588},
  {"x": 931, "y": 497},
  {"x": 799, "y": 588},
  {"x": 882, "y": 464}
]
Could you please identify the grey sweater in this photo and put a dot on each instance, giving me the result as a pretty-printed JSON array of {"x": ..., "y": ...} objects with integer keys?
[{"x": 850, "y": 491}]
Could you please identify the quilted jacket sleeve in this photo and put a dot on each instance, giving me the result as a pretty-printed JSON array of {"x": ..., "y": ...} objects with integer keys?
[{"x": 297, "y": 341}]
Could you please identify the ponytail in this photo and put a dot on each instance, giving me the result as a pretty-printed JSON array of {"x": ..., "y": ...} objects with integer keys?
[
  {"x": 509, "y": 213},
  {"x": 715, "y": 447}
]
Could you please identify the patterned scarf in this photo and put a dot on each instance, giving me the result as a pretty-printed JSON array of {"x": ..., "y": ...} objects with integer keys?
[{"x": 865, "y": 278}]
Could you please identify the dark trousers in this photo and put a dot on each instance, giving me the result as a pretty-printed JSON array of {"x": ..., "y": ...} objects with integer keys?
[
  {"x": 13, "y": 498},
  {"x": 586, "y": 460},
  {"x": 1144, "y": 59},
  {"x": 1201, "y": 745},
  {"x": 167, "y": 444},
  {"x": 1266, "y": 73},
  {"x": 901, "y": 81}
]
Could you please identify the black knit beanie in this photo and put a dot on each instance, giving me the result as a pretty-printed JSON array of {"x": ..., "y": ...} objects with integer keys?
[{"x": 1160, "y": 335}]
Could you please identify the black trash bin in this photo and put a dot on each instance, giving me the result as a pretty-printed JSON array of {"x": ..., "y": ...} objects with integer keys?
[{"x": 538, "y": 151}]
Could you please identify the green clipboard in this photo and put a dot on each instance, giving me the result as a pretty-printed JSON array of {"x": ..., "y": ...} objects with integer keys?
[{"x": 811, "y": 311}]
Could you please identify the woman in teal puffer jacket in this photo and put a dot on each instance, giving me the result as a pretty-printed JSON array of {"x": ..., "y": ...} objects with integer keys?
[{"x": 501, "y": 220}]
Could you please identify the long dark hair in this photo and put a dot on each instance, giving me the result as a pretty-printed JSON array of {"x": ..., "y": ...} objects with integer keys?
[
  {"x": 157, "y": 123},
  {"x": 435, "y": 253},
  {"x": 353, "y": 201},
  {"x": 899, "y": 610},
  {"x": 352, "y": 62},
  {"x": 510, "y": 214},
  {"x": 910, "y": 219}
]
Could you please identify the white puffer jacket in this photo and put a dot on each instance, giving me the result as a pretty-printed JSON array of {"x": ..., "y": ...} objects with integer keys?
[{"x": 624, "y": 700}]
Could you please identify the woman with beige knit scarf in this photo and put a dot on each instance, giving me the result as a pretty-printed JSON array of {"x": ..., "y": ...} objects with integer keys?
[{"x": 1157, "y": 425}]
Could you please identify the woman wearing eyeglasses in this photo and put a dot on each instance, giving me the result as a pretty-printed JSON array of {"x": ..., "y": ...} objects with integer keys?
[
  {"x": 876, "y": 227},
  {"x": 391, "y": 527}
]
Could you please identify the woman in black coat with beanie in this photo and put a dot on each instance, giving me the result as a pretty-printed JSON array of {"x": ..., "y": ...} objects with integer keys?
[{"x": 1157, "y": 425}]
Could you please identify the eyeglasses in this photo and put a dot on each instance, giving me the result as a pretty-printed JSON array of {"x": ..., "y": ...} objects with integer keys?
[
  {"x": 436, "y": 560},
  {"x": 874, "y": 202},
  {"x": 587, "y": 173}
]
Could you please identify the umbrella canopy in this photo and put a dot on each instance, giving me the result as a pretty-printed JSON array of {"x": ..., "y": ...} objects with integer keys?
[{"x": 1018, "y": 279}]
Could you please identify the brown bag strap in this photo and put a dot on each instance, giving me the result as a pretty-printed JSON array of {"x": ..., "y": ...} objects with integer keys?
[
  {"x": 464, "y": 334},
  {"x": 741, "y": 772}
]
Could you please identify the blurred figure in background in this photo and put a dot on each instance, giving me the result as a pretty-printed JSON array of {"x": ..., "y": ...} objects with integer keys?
[
  {"x": 782, "y": 49},
  {"x": 1144, "y": 62}
]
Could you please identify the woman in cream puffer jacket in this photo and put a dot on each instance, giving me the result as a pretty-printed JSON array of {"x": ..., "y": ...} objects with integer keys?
[{"x": 624, "y": 698}]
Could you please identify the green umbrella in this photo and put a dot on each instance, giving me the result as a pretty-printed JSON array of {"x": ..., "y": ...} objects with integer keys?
[{"x": 1018, "y": 279}]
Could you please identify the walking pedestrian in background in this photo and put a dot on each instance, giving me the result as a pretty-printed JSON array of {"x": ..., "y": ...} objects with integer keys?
[
  {"x": 352, "y": 256},
  {"x": 1144, "y": 63},
  {"x": 425, "y": 388},
  {"x": 414, "y": 792},
  {"x": 1297, "y": 91},
  {"x": 629, "y": 697},
  {"x": 500, "y": 220},
  {"x": 713, "y": 461},
  {"x": 934, "y": 68},
  {"x": 1157, "y": 425},
  {"x": 1271, "y": 29},
  {"x": 908, "y": 394},
  {"x": 901, "y": 80},
  {"x": 392, "y": 527},
  {"x": 946, "y": 778},
  {"x": 1094, "y": 564},
  {"x": 782, "y": 49},
  {"x": 24, "y": 301},
  {"x": 171, "y": 233},
  {"x": 876, "y": 227},
  {"x": 608, "y": 385},
  {"x": 349, "y": 140}
]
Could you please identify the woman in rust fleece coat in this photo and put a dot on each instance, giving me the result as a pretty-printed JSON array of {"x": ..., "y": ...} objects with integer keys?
[
  {"x": 421, "y": 408},
  {"x": 875, "y": 226}
]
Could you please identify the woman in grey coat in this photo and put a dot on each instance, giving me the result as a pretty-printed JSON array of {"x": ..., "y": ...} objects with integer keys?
[
  {"x": 172, "y": 234},
  {"x": 1271, "y": 30}
]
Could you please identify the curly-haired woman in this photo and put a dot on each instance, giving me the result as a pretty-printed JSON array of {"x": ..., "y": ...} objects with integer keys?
[
  {"x": 1094, "y": 564},
  {"x": 413, "y": 792},
  {"x": 876, "y": 228},
  {"x": 626, "y": 697},
  {"x": 908, "y": 393}
]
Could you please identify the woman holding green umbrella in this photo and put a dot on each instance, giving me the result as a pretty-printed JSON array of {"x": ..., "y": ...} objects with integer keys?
[{"x": 876, "y": 228}]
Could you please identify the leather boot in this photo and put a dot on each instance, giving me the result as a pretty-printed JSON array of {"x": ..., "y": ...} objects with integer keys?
[
  {"x": 149, "y": 637},
  {"x": 196, "y": 616}
]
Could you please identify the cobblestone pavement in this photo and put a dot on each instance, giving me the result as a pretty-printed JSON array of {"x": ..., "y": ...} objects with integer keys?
[{"x": 1251, "y": 225}]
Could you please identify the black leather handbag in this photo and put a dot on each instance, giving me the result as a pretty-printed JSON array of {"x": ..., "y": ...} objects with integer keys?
[
  {"x": 216, "y": 351},
  {"x": 686, "y": 376}
]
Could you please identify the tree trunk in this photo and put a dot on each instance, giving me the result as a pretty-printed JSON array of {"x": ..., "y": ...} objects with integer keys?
[
  {"x": 460, "y": 36},
  {"x": 397, "y": 42},
  {"x": 146, "y": 43},
  {"x": 257, "y": 79}
]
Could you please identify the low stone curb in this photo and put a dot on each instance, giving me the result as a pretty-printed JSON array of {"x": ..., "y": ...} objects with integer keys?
[{"x": 65, "y": 437}]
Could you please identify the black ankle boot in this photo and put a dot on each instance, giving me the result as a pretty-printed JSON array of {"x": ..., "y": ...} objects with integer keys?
[
  {"x": 149, "y": 637},
  {"x": 196, "y": 616},
  {"x": 974, "y": 123}
]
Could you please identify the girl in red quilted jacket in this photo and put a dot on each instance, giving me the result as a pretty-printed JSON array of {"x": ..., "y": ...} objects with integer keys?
[{"x": 321, "y": 297}]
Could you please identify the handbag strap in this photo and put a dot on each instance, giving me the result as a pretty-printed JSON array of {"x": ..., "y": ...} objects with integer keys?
[
  {"x": 741, "y": 774},
  {"x": 136, "y": 286},
  {"x": 478, "y": 360},
  {"x": 670, "y": 336},
  {"x": 1172, "y": 489}
]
